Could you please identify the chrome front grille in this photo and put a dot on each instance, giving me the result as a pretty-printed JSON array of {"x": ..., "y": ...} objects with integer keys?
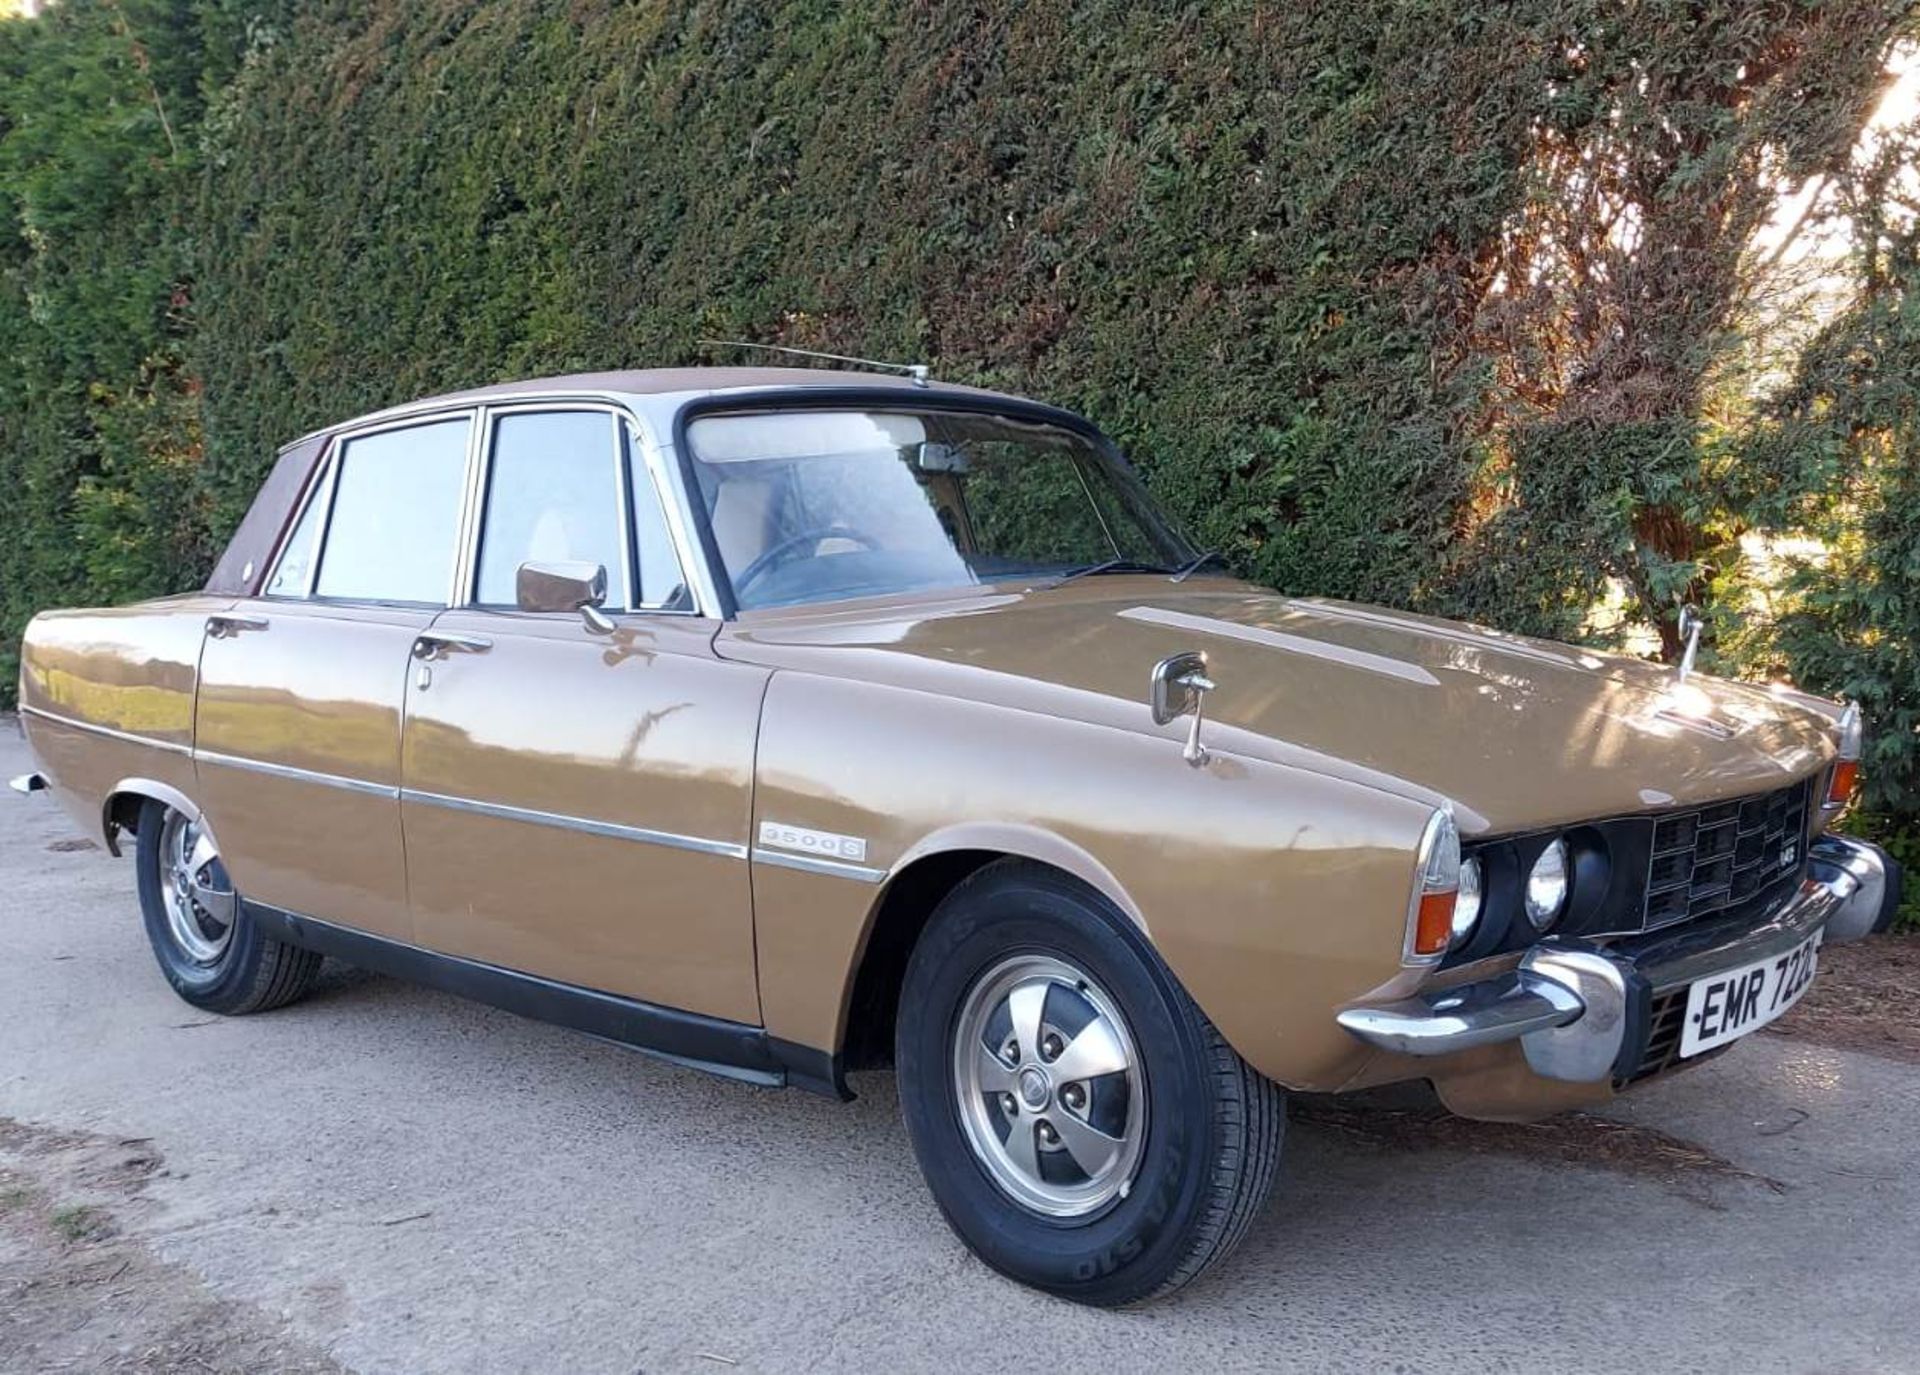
[{"x": 1733, "y": 857}]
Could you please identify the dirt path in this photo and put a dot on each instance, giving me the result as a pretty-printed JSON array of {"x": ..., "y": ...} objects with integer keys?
[
  {"x": 1863, "y": 999},
  {"x": 77, "y": 1295}
]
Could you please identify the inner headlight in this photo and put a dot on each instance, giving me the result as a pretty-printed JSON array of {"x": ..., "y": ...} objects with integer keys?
[
  {"x": 1547, "y": 886},
  {"x": 1467, "y": 903}
]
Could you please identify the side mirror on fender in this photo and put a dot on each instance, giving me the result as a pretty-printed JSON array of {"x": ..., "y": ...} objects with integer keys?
[
  {"x": 570, "y": 586},
  {"x": 1179, "y": 687}
]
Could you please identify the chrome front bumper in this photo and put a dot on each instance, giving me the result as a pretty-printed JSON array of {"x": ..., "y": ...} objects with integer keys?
[{"x": 1580, "y": 1010}]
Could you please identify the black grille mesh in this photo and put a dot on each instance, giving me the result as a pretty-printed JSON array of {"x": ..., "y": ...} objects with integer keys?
[
  {"x": 1732, "y": 857},
  {"x": 1663, "y": 1042}
]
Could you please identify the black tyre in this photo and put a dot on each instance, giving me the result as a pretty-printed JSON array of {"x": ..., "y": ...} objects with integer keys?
[
  {"x": 1082, "y": 1125},
  {"x": 212, "y": 954}
]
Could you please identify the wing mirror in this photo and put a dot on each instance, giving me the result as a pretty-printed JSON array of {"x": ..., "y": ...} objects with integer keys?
[
  {"x": 944, "y": 458},
  {"x": 571, "y": 586},
  {"x": 1180, "y": 687}
]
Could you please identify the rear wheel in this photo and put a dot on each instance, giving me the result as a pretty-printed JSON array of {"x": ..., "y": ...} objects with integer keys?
[
  {"x": 210, "y": 951},
  {"x": 1082, "y": 1125}
]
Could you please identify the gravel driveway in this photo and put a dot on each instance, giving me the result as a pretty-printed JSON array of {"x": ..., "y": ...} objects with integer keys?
[{"x": 386, "y": 1179}]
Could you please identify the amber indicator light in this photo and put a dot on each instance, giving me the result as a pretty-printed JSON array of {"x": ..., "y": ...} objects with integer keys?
[
  {"x": 1435, "y": 926},
  {"x": 1846, "y": 773}
]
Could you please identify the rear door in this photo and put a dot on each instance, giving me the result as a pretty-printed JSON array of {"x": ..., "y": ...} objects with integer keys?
[
  {"x": 575, "y": 802},
  {"x": 297, "y": 725}
]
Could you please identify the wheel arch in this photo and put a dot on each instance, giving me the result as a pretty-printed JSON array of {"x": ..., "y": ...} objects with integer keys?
[
  {"x": 918, "y": 883},
  {"x": 121, "y": 810}
]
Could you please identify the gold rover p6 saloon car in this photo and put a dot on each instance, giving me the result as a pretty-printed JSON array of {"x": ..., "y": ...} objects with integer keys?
[{"x": 785, "y": 722}]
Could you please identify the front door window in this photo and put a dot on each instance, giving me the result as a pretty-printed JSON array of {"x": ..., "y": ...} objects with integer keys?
[{"x": 553, "y": 496}]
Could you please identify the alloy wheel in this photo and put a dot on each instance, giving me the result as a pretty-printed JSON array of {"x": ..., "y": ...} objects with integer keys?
[
  {"x": 194, "y": 887},
  {"x": 1050, "y": 1086}
]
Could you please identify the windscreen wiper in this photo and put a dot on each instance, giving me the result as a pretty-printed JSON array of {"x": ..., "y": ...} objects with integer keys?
[
  {"x": 1111, "y": 566},
  {"x": 1196, "y": 563}
]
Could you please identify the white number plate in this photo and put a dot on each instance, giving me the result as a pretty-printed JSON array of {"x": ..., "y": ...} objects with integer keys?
[{"x": 1729, "y": 1005}]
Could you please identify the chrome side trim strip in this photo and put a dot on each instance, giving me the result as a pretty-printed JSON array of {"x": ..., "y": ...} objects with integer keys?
[
  {"x": 807, "y": 864},
  {"x": 325, "y": 780},
  {"x": 168, "y": 746},
  {"x": 698, "y": 844}
]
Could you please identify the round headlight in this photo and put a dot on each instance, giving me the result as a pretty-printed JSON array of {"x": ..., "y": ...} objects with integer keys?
[
  {"x": 1467, "y": 903},
  {"x": 1547, "y": 886}
]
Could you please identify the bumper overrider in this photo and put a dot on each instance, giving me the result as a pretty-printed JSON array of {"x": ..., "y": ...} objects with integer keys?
[{"x": 1582, "y": 1010}]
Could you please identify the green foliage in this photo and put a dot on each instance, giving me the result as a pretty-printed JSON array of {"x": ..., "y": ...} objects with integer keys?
[
  {"x": 100, "y": 494},
  {"x": 1429, "y": 304},
  {"x": 1902, "y": 840},
  {"x": 1850, "y": 623}
]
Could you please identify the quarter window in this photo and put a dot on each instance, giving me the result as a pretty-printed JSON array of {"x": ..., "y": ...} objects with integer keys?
[
  {"x": 662, "y": 583},
  {"x": 553, "y": 496},
  {"x": 395, "y": 521},
  {"x": 295, "y": 568}
]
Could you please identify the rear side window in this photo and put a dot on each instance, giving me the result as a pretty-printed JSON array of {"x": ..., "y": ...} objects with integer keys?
[
  {"x": 295, "y": 569},
  {"x": 553, "y": 496},
  {"x": 395, "y": 520}
]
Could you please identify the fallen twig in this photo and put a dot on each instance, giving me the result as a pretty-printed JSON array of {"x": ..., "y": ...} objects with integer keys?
[{"x": 410, "y": 1217}]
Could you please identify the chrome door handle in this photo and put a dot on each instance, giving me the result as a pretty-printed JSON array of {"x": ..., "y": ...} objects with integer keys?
[
  {"x": 225, "y": 626},
  {"x": 434, "y": 644}
]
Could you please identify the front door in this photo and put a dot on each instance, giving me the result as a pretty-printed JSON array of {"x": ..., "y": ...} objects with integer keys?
[
  {"x": 297, "y": 724},
  {"x": 575, "y": 803}
]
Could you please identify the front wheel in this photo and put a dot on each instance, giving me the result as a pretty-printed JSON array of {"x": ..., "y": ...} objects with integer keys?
[
  {"x": 1082, "y": 1125},
  {"x": 206, "y": 945}
]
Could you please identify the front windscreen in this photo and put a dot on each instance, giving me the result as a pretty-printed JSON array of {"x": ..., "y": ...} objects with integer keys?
[{"x": 817, "y": 505}]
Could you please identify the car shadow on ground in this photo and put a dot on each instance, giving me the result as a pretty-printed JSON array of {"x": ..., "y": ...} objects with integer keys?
[{"x": 1354, "y": 1166}]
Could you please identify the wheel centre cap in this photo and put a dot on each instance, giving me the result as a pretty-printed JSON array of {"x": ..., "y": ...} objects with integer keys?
[{"x": 1035, "y": 1088}]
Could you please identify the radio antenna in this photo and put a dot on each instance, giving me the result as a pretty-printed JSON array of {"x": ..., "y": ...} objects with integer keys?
[{"x": 917, "y": 371}]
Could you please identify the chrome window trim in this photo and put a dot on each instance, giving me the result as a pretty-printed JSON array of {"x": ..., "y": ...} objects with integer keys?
[
  {"x": 629, "y": 551},
  {"x": 299, "y": 775},
  {"x": 473, "y": 505},
  {"x": 634, "y": 444},
  {"x": 672, "y": 840},
  {"x": 323, "y": 524},
  {"x": 621, "y": 414},
  {"x": 409, "y": 411},
  {"x": 327, "y": 484},
  {"x": 653, "y": 417},
  {"x": 467, "y": 588},
  {"x": 650, "y": 415},
  {"x": 808, "y": 864},
  {"x": 319, "y": 489},
  {"x": 127, "y": 737}
]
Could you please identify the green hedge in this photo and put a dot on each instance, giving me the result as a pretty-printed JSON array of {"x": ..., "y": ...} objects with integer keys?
[
  {"x": 1350, "y": 282},
  {"x": 102, "y": 490}
]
